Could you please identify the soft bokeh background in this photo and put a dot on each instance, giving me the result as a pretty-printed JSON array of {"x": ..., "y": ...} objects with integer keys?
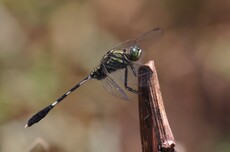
[{"x": 48, "y": 46}]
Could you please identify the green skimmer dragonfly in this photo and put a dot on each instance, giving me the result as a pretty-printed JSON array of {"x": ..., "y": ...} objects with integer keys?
[{"x": 122, "y": 57}]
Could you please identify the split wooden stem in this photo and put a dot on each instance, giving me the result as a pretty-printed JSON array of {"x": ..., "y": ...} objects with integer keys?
[{"x": 156, "y": 134}]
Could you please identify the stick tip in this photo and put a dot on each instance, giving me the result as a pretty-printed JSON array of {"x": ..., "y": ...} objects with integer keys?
[{"x": 26, "y": 126}]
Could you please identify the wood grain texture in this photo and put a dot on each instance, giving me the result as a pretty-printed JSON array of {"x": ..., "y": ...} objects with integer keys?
[{"x": 156, "y": 134}]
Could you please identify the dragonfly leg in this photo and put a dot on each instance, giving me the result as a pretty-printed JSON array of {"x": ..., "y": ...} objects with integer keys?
[
  {"x": 134, "y": 70},
  {"x": 126, "y": 82}
]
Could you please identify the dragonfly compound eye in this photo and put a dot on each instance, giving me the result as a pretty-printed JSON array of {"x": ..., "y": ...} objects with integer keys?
[{"x": 134, "y": 53}]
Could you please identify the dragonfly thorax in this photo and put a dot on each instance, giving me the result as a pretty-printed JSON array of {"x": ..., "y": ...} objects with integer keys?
[{"x": 114, "y": 60}]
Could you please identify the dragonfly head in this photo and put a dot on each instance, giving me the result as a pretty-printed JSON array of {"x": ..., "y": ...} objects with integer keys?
[{"x": 134, "y": 53}]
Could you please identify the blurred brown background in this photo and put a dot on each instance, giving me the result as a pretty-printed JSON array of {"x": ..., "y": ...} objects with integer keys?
[{"x": 48, "y": 46}]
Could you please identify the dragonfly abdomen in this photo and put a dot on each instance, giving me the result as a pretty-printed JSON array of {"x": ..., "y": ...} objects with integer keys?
[{"x": 98, "y": 73}]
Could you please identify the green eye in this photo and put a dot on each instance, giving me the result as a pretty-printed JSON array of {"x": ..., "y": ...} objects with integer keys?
[{"x": 135, "y": 53}]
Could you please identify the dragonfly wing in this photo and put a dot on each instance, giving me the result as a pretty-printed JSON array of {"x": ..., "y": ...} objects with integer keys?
[
  {"x": 132, "y": 76},
  {"x": 142, "y": 39},
  {"x": 113, "y": 88}
]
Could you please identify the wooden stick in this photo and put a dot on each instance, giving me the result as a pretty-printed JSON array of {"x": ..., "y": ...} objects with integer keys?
[{"x": 156, "y": 134}]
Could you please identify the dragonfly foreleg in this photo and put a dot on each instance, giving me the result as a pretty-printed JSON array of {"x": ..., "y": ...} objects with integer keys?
[
  {"x": 126, "y": 82},
  {"x": 133, "y": 70}
]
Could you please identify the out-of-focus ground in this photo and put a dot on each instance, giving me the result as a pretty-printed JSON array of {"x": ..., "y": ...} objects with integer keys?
[{"x": 48, "y": 46}]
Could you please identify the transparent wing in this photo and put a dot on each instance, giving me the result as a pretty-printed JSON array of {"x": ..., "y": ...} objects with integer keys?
[
  {"x": 115, "y": 81},
  {"x": 143, "y": 40},
  {"x": 132, "y": 77},
  {"x": 113, "y": 88}
]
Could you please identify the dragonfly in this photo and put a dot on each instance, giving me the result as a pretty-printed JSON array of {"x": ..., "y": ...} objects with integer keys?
[{"x": 121, "y": 57}]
